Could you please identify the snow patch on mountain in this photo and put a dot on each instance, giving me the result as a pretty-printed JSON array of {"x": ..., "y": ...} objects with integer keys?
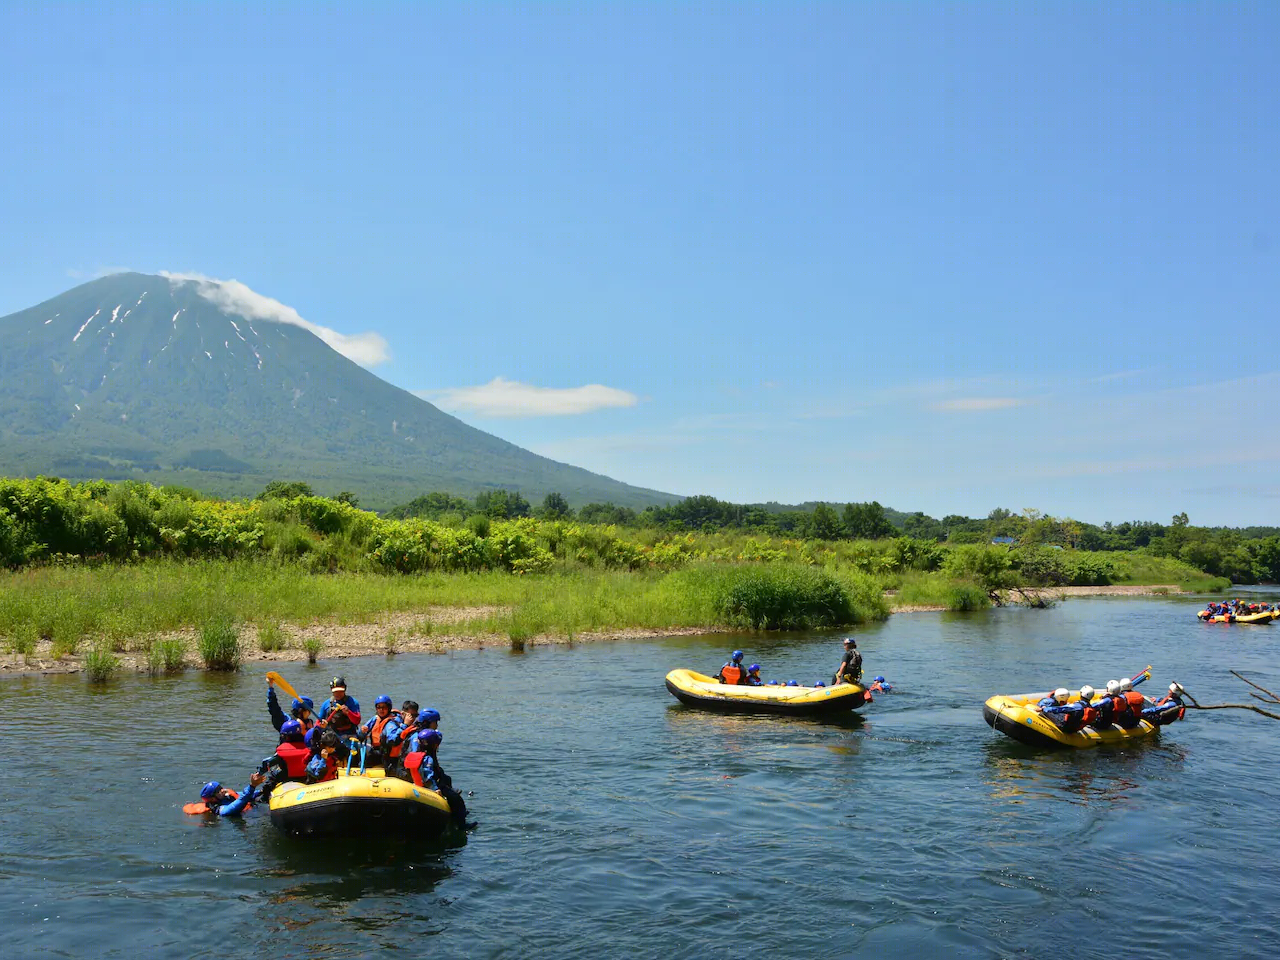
[{"x": 233, "y": 297}]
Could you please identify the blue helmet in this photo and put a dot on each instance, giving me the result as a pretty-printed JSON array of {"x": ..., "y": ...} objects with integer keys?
[
  {"x": 792, "y": 683},
  {"x": 379, "y": 701},
  {"x": 306, "y": 702},
  {"x": 753, "y": 668},
  {"x": 819, "y": 683},
  {"x": 432, "y": 737},
  {"x": 772, "y": 683},
  {"x": 737, "y": 655},
  {"x": 429, "y": 715},
  {"x": 291, "y": 728},
  {"x": 879, "y": 680},
  {"x": 210, "y": 790}
]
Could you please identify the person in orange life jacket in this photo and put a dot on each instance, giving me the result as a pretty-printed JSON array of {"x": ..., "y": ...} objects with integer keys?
[
  {"x": 753, "y": 676},
  {"x": 850, "y": 669},
  {"x": 223, "y": 802},
  {"x": 1122, "y": 714},
  {"x": 879, "y": 685},
  {"x": 398, "y": 739},
  {"x": 732, "y": 671},
  {"x": 1073, "y": 716},
  {"x": 341, "y": 714},
  {"x": 323, "y": 764},
  {"x": 1166, "y": 709},
  {"x": 378, "y": 732},
  {"x": 1135, "y": 701},
  {"x": 302, "y": 710}
]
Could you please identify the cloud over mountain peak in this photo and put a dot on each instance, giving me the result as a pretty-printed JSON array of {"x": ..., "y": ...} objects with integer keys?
[{"x": 233, "y": 297}]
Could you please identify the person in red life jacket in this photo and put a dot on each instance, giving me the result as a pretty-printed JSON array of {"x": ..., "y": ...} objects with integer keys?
[
  {"x": 378, "y": 732},
  {"x": 217, "y": 800},
  {"x": 1105, "y": 706},
  {"x": 850, "y": 669},
  {"x": 302, "y": 710},
  {"x": 341, "y": 714},
  {"x": 421, "y": 761},
  {"x": 732, "y": 671},
  {"x": 1071, "y": 716},
  {"x": 291, "y": 757},
  {"x": 1167, "y": 709},
  {"x": 1053, "y": 700},
  {"x": 323, "y": 764},
  {"x": 879, "y": 685},
  {"x": 753, "y": 676},
  {"x": 1123, "y": 714}
]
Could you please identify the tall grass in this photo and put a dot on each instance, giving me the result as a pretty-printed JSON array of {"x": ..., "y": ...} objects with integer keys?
[
  {"x": 166, "y": 655},
  {"x": 270, "y": 637},
  {"x": 938, "y": 590},
  {"x": 219, "y": 644},
  {"x": 100, "y": 664}
]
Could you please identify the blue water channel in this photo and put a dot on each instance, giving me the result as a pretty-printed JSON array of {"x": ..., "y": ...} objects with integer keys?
[{"x": 615, "y": 822}]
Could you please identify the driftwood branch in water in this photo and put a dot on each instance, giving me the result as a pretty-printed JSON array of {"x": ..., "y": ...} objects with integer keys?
[{"x": 1270, "y": 698}]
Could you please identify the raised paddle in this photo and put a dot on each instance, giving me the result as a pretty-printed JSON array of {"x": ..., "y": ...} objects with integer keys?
[{"x": 283, "y": 684}]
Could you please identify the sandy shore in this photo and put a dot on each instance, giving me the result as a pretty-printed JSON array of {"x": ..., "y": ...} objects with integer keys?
[{"x": 403, "y": 633}]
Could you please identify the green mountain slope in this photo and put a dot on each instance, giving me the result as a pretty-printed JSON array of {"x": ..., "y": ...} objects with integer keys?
[{"x": 141, "y": 376}]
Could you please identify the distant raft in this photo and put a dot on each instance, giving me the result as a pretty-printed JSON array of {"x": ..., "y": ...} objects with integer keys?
[
  {"x": 708, "y": 693},
  {"x": 359, "y": 803},
  {"x": 1016, "y": 717},
  {"x": 1259, "y": 618}
]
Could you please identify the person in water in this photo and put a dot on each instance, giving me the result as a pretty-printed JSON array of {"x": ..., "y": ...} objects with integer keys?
[
  {"x": 880, "y": 685},
  {"x": 218, "y": 800},
  {"x": 1167, "y": 709},
  {"x": 302, "y": 710},
  {"x": 753, "y": 676},
  {"x": 378, "y": 732},
  {"x": 732, "y": 671},
  {"x": 341, "y": 714},
  {"x": 850, "y": 669}
]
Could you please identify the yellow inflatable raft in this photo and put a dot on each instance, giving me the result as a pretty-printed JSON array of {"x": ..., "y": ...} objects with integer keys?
[
  {"x": 697, "y": 690},
  {"x": 1016, "y": 717},
  {"x": 1262, "y": 616},
  {"x": 358, "y": 803}
]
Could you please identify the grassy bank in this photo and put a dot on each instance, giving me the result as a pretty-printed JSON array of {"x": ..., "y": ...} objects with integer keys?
[{"x": 127, "y": 606}]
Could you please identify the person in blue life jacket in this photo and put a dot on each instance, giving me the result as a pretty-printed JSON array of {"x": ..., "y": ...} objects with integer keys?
[
  {"x": 423, "y": 764},
  {"x": 753, "y": 676},
  {"x": 880, "y": 685},
  {"x": 398, "y": 741},
  {"x": 379, "y": 731},
  {"x": 850, "y": 669},
  {"x": 1168, "y": 708},
  {"x": 732, "y": 672},
  {"x": 218, "y": 800},
  {"x": 302, "y": 710},
  {"x": 323, "y": 764},
  {"x": 1071, "y": 715},
  {"x": 1054, "y": 699}
]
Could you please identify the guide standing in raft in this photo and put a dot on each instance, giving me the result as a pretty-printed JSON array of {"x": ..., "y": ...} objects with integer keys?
[{"x": 850, "y": 669}]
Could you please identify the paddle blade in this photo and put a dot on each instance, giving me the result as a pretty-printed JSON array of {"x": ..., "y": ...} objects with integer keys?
[{"x": 283, "y": 684}]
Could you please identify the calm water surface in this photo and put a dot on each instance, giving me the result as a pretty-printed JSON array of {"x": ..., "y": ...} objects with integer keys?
[{"x": 615, "y": 822}]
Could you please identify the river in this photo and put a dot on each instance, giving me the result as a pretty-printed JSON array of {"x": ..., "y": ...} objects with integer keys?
[{"x": 614, "y": 822}]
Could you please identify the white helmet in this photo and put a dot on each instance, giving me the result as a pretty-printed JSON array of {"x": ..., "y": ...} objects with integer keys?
[
  {"x": 1061, "y": 694},
  {"x": 1175, "y": 688},
  {"x": 1086, "y": 693},
  {"x": 1113, "y": 687},
  {"x": 1126, "y": 684}
]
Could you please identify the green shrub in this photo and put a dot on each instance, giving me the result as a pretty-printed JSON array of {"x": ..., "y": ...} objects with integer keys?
[
  {"x": 312, "y": 647},
  {"x": 166, "y": 655},
  {"x": 963, "y": 597},
  {"x": 219, "y": 644},
  {"x": 785, "y": 598},
  {"x": 271, "y": 637},
  {"x": 100, "y": 664}
]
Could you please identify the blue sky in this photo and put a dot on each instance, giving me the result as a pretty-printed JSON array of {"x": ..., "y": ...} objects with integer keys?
[{"x": 950, "y": 257}]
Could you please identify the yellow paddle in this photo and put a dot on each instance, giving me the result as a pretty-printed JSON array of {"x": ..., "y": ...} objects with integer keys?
[{"x": 283, "y": 684}]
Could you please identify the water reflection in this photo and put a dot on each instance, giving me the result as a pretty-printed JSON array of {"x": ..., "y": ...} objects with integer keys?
[{"x": 1017, "y": 773}]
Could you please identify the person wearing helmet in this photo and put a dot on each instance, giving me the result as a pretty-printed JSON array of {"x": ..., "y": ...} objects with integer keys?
[
  {"x": 1136, "y": 702},
  {"x": 850, "y": 669},
  {"x": 218, "y": 800},
  {"x": 1105, "y": 706},
  {"x": 880, "y": 685},
  {"x": 732, "y": 672},
  {"x": 1054, "y": 699},
  {"x": 323, "y": 764},
  {"x": 378, "y": 731},
  {"x": 398, "y": 740},
  {"x": 1168, "y": 708},
  {"x": 1071, "y": 715},
  {"x": 423, "y": 764},
  {"x": 753, "y": 676},
  {"x": 340, "y": 713},
  {"x": 302, "y": 710}
]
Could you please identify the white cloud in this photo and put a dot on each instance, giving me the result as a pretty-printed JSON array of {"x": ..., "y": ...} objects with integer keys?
[
  {"x": 233, "y": 297},
  {"x": 974, "y": 404},
  {"x": 509, "y": 398}
]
